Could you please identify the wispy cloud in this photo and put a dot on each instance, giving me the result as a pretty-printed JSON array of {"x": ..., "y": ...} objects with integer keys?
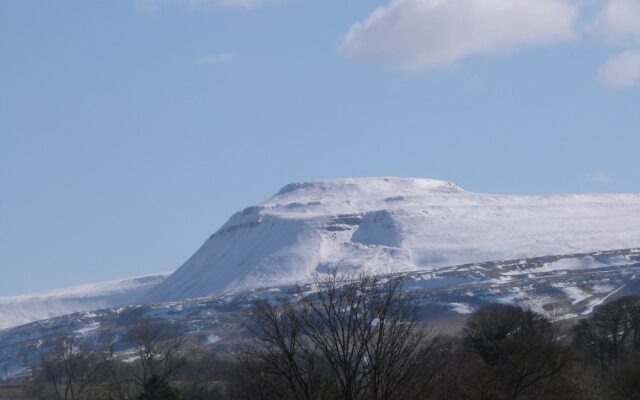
[
  {"x": 423, "y": 34},
  {"x": 619, "y": 22},
  {"x": 216, "y": 59},
  {"x": 599, "y": 178},
  {"x": 621, "y": 71},
  {"x": 619, "y": 25}
]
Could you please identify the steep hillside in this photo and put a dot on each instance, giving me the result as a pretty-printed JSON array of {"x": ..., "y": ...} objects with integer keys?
[{"x": 386, "y": 225}]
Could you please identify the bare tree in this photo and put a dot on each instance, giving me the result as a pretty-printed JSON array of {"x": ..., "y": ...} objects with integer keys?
[
  {"x": 611, "y": 333},
  {"x": 158, "y": 354},
  {"x": 349, "y": 339},
  {"x": 625, "y": 379},
  {"x": 512, "y": 353},
  {"x": 68, "y": 370},
  {"x": 202, "y": 378}
]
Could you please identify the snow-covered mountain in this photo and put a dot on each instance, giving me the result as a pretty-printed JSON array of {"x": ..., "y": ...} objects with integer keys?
[
  {"x": 376, "y": 225},
  {"x": 18, "y": 310},
  {"x": 385, "y": 225}
]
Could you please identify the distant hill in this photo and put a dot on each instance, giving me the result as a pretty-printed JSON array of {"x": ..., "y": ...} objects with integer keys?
[{"x": 18, "y": 310}]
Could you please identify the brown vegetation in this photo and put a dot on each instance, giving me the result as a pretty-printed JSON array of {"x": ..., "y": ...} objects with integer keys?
[{"x": 360, "y": 340}]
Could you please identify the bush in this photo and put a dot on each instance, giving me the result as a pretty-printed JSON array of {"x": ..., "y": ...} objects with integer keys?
[{"x": 157, "y": 388}]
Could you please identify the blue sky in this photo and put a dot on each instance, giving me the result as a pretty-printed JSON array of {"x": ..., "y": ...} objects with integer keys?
[{"x": 131, "y": 130}]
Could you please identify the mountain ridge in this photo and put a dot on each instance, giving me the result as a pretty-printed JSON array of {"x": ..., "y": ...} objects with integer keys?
[{"x": 21, "y": 309}]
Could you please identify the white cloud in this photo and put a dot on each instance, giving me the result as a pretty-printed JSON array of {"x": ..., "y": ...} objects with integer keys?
[
  {"x": 622, "y": 70},
  {"x": 420, "y": 34},
  {"x": 619, "y": 21},
  {"x": 154, "y": 5},
  {"x": 216, "y": 59},
  {"x": 619, "y": 24},
  {"x": 598, "y": 178}
]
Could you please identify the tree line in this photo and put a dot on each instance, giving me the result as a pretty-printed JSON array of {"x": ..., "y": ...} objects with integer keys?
[{"x": 360, "y": 340}]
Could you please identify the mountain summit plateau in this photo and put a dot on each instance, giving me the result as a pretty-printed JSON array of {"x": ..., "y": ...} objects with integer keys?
[{"x": 388, "y": 225}]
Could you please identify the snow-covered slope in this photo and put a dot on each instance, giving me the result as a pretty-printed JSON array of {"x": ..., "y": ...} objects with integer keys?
[
  {"x": 383, "y": 225},
  {"x": 18, "y": 310},
  {"x": 559, "y": 287}
]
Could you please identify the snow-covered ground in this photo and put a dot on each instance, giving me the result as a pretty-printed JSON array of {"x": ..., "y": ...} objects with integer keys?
[
  {"x": 445, "y": 296},
  {"x": 382, "y": 225},
  {"x": 18, "y": 310}
]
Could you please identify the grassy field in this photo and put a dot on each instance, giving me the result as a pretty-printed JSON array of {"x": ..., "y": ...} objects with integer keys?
[{"x": 12, "y": 392}]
